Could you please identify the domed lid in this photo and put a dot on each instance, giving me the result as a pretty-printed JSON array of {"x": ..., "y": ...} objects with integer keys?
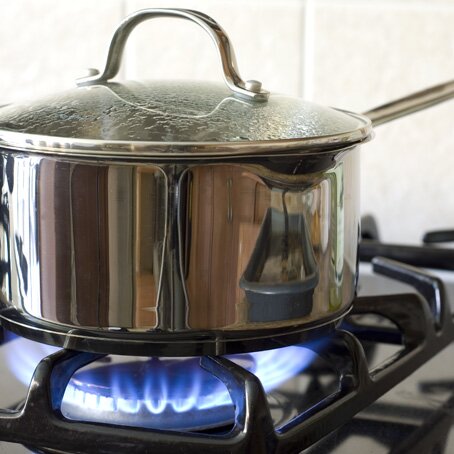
[{"x": 176, "y": 118}]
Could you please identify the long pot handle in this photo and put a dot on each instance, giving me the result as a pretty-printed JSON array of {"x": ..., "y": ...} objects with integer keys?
[
  {"x": 411, "y": 103},
  {"x": 251, "y": 89}
]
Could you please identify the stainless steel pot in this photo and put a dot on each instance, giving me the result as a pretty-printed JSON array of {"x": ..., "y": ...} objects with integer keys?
[{"x": 180, "y": 218}]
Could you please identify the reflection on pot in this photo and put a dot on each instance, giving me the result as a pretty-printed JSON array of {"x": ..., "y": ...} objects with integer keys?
[
  {"x": 281, "y": 275},
  {"x": 175, "y": 248}
]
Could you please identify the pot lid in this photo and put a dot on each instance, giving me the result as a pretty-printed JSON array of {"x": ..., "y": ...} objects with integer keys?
[{"x": 190, "y": 119}]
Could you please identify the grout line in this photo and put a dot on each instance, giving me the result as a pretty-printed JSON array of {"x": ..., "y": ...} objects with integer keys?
[
  {"x": 122, "y": 8},
  {"x": 300, "y": 50},
  {"x": 123, "y": 73},
  {"x": 308, "y": 41}
]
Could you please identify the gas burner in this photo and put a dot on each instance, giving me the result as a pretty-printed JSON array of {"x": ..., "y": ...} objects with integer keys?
[
  {"x": 420, "y": 326},
  {"x": 160, "y": 393}
]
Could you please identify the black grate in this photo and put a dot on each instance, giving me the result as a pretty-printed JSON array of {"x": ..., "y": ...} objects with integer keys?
[{"x": 423, "y": 326}]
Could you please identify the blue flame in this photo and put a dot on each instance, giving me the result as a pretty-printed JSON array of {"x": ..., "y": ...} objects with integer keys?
[{"x": 168, "y": 393}]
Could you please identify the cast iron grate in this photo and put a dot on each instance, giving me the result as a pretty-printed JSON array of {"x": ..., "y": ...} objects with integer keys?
[{"x": 424, "y": 326}]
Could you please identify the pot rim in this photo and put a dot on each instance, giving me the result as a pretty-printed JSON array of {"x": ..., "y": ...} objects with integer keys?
[{"x": 136, "y": 150}]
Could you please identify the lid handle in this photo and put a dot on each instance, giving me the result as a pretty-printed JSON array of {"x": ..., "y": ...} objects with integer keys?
[{"x": 250, "y": 89}]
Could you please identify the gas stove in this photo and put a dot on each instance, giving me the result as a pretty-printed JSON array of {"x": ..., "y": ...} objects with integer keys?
[{"x": 381, "y": 382}]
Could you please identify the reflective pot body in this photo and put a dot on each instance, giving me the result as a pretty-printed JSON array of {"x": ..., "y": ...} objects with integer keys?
[{"x": 164, "y": 252}]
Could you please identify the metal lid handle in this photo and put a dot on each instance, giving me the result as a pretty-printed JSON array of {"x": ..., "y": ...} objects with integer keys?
[{"x": 251, "y": 89}]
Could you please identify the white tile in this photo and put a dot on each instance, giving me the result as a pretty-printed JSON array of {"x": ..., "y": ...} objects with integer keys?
[
  {"x": 367, "y": 53},
  {"x": 45, "y": 45},
  {"x": 348, "y": 53},
  {"x": 265, "y": 35}
]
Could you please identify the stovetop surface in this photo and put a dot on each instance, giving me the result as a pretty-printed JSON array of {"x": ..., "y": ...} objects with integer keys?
[
  {"x": 415, "y": 416},
  {"x": 419, "y": 411}
]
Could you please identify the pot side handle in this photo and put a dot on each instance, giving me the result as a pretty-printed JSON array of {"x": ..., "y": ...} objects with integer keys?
[
  {"x": 411, "y": 103},
  {"x": 251, "y": 89}
]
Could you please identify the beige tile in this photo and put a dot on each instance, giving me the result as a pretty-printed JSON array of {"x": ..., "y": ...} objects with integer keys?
[
  {"x": 265, "y": 35},
  {"x": 45, "y": 45},
  {"x": 366, "y": 53}
]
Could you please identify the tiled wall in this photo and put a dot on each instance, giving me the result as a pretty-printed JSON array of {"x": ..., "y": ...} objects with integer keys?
[{"x": 352, "y": 54}]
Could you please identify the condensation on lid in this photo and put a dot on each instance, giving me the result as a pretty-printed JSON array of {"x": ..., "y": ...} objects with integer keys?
[{"x": 167, "y": 117}]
